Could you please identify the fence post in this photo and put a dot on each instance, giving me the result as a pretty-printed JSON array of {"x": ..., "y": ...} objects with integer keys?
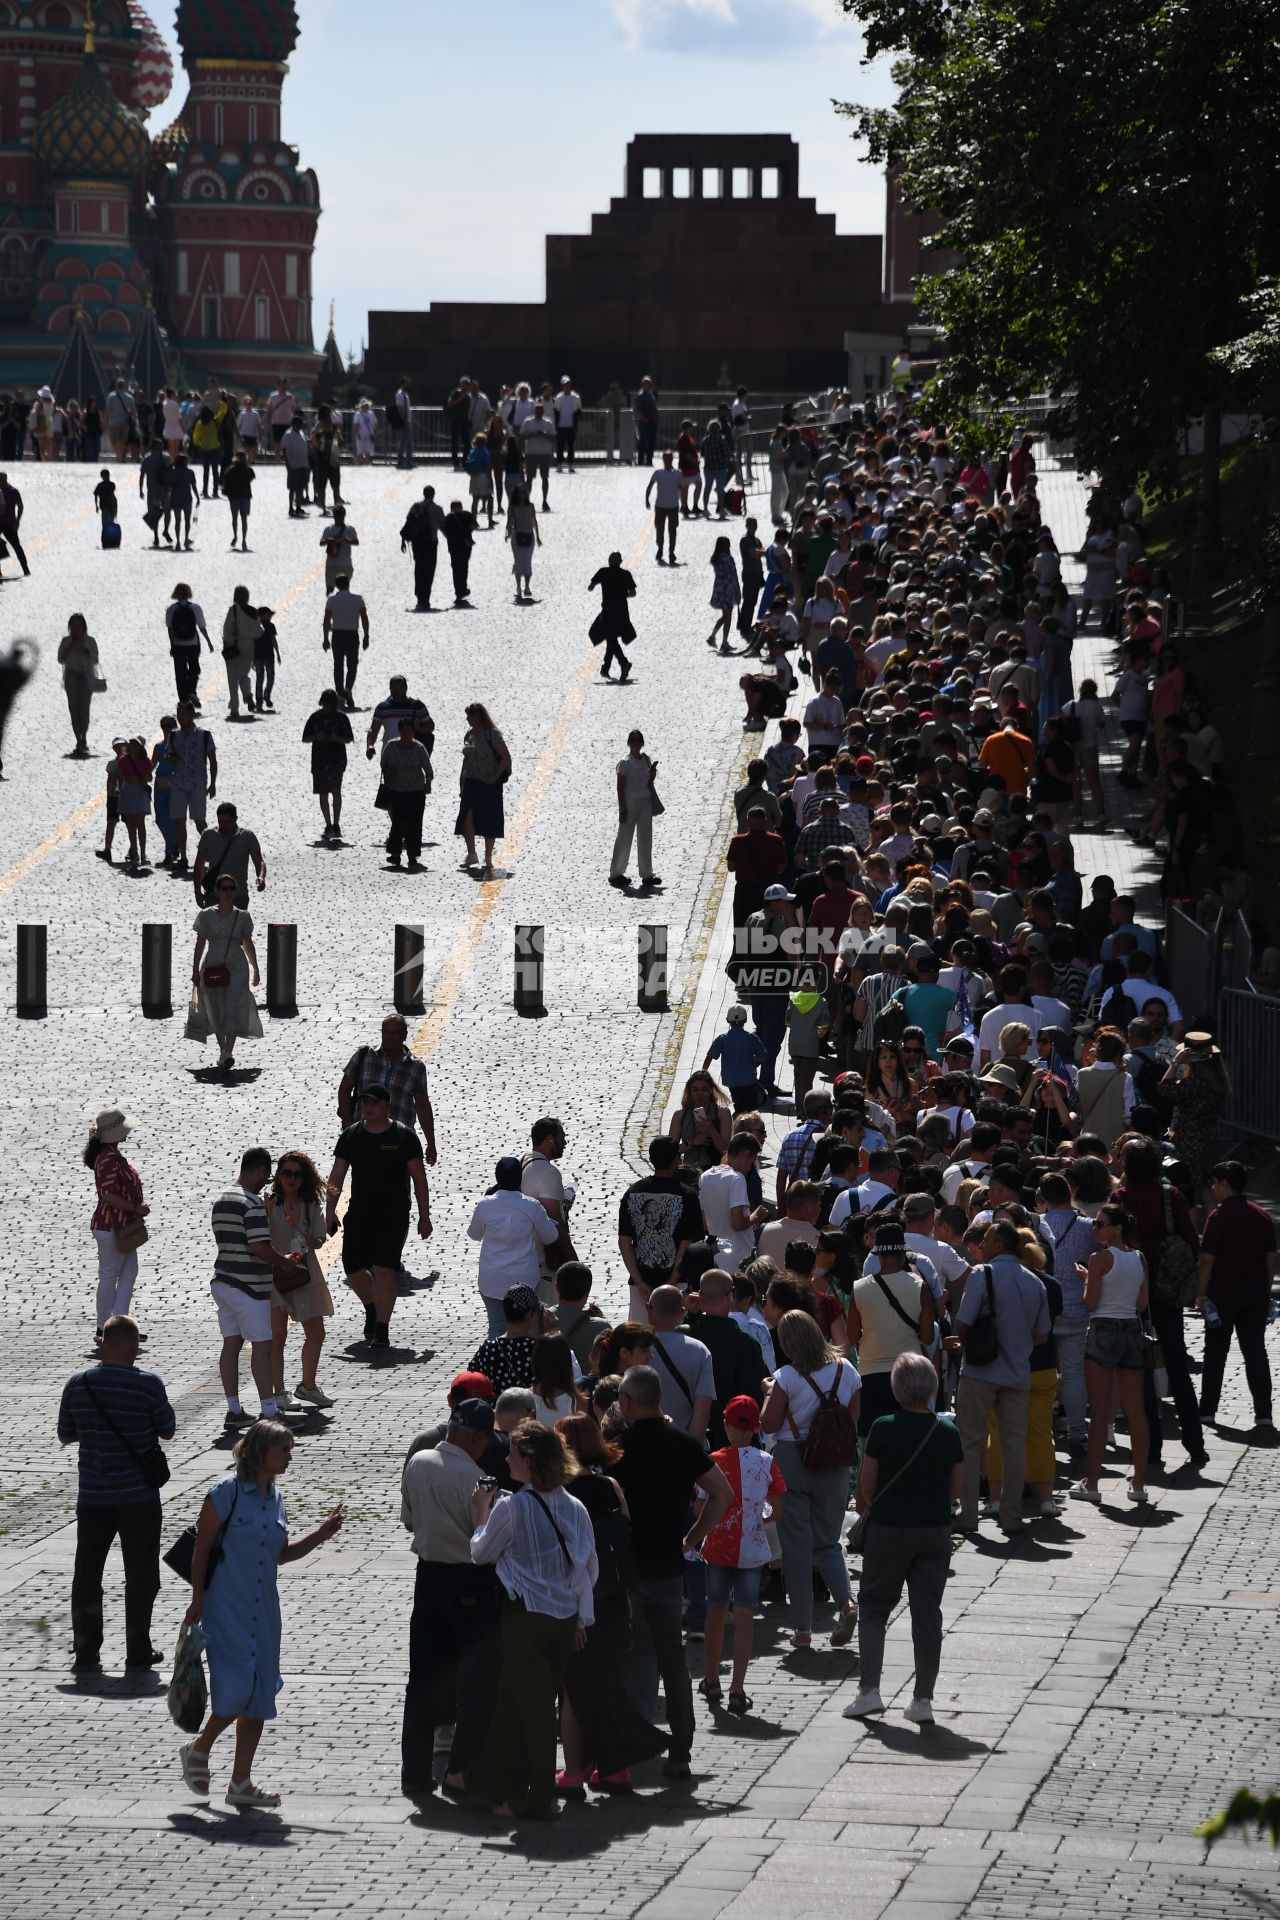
[
  {"x": 33, "y": 971},
  {"x": 407, "y": 986},
  {"x": 282, "y": 967},
  {"x": 651, "y": 955},
  {"x": 528, "y": 995},
  {"x": 157, "y": 967}
]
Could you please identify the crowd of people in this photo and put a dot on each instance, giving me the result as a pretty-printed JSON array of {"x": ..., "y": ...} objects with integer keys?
[{"x": 962, "y": 1296}]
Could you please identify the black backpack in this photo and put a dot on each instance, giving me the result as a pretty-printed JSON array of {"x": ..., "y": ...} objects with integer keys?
[
  {"x": 1070, "y": 724},
  {"x": 184, "y": 621},
  {"x": 393, "y": 418}
]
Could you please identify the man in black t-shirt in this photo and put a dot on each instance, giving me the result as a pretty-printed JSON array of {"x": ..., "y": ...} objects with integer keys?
[
  {"x": 657, "y": 1218},
  {"x": 383, "y": 1160},
  {"x": 659, "y": 1468}
]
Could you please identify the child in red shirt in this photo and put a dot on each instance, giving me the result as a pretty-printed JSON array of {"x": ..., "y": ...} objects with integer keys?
[{"x": 736, "y": 1552}]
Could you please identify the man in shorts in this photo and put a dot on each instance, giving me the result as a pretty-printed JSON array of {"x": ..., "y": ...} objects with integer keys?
[
  {"x": 241, "y": 1285},
  {"x": 383, "y": 1159},
  {"x": 194, "y": 778}
]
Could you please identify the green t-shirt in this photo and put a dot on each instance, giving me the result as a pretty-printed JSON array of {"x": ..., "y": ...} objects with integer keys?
[{"x": 922, "y": 1497}]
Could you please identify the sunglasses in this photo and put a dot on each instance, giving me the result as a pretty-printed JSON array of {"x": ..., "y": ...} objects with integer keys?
[{"x": 291, "y": 1173}]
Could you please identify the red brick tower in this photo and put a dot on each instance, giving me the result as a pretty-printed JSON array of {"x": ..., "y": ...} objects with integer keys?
[{"x": 235, "y": 214}]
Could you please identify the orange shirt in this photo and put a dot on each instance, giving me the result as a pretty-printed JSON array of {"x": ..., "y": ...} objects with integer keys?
[{"x": 1012, "y": 756}]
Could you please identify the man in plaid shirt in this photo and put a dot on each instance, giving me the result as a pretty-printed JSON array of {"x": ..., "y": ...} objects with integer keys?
[
  {"x": 392, "y": 1066},
  {"x": 795, "y": 1155},
  {"x": 828, "y": 830}
]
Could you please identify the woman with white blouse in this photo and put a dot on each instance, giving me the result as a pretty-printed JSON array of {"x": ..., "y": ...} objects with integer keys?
[{"x": 541, "y": 1542}]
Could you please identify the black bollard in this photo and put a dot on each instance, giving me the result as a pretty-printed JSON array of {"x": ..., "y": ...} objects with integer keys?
[
  {"x": 407, "y": 986},
  {"x": 33, "y": 971},
  {"x": 651, "y": 955},
  {"x": 157, "y": 967},
  {"x": 527, "y": 997},
  {"x": 282, "y": 967}
]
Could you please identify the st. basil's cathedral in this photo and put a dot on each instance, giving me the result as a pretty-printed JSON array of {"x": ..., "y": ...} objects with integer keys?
[{"x": 207, "y": 227}]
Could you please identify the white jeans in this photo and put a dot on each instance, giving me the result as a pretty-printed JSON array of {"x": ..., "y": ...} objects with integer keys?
[
  {"x": 116, "y": 1274},
  {"x": 637, "y": 824}
]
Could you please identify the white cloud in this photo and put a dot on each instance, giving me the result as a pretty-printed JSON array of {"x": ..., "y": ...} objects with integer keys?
[{"x": 747, "y": 29}]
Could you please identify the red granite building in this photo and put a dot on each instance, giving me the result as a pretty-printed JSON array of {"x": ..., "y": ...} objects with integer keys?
[
  {"x": 710, "y": 259},
  {"x": 213, "y": 219}
]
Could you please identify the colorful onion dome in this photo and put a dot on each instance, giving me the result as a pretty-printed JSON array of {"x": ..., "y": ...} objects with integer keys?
[
  {"x": 88, "y": 134},
  {"x": 237, "y": 29},
  {"x": 168, "y": 147},
  {"x": 153, "y": 69}
]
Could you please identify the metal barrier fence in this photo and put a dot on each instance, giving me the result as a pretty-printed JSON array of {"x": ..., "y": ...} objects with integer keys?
[
  {"x": 1235, "y": 962},
  {"x": 1248, "y": 1031},
  {"x": 1190, "y": 957},
  {"x": 597, "y": 439}
]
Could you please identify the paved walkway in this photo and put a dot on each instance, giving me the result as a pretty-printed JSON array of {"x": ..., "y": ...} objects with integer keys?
[{"x": 1099, "y": 1689}]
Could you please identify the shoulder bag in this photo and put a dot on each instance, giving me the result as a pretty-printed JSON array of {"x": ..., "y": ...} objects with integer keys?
[
  {"x": 153, "y": 1465},
  {"x": 981, "y": 1344},
  {"x": 132, "y": 1235},
  {"x": 220, "y": 975},
  {"x": 858, "y": 1531},
  {"x": 181, "y": 1555},
  {"x": 209, "y": 879}
]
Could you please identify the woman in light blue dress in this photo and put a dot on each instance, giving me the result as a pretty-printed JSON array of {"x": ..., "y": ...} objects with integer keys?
[{"x": 237, "y": 1605}]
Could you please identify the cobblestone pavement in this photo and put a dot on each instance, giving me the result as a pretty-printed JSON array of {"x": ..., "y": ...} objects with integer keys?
[{"x": 1101, "y": 1686}]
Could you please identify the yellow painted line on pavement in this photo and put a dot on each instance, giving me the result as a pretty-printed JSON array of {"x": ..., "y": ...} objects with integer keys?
[
  {"x": 68, "y": 526},
  {"x": 427, "y": 1035},
  {"x": 33, "y": 861}
]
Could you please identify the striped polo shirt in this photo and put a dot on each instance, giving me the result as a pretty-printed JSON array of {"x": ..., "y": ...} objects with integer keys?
[
  {"x": 137, "y": 1404},
  {"x": 240, "y": 1218}
]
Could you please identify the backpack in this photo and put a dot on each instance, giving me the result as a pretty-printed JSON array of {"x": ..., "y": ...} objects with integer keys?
[
  {"x": 184, "y": 621},
  {"x": 614, "y": 1557},
  {"x": 1146, "y": 1086},
  {"x": 832, "y": 1440},
  {"x": 1173, "y": 1280},
  {"x": 392, "y": 415},
  {"x": 1070, "y": 724}
]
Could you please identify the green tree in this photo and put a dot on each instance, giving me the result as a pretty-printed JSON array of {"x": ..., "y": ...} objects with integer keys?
[{"x": 1104, "y": 180}]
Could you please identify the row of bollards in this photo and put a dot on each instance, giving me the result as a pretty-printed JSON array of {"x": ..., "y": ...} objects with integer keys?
[{"x": 282, "y": 969}]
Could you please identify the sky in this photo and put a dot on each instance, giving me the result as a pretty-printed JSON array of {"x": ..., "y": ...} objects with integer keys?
[{"x": 449, "y": 144}]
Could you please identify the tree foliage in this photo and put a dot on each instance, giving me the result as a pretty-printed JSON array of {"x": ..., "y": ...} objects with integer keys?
[{"x": 1104, "y": 179}]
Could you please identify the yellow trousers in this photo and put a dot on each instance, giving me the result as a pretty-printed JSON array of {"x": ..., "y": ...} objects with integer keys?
[{"x": 1042, "y": 1464}]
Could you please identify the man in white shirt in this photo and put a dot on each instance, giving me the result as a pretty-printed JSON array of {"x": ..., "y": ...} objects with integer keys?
[
  {"x": 517, "y": 407},
  {"x": 872, "y": 1194},
  {"x": 511, "y": 1227},
  {"x": 919, "y": 1214},
  {"x": 346, "y": 619},
  {"x": 538, "y": 438},
  {"x": 664, "y": 491},
  {"x": 297, "y": 467},
  {"x": 726, "y": 1206},
  {"x": 338, "y": 539},
  {"x": 281, "y": 407},
  {"x": 565, "y": 408},
  {"x": 1012, "y": 1005},
  {"x": 824, "y": 715},
  {"x": 453, "y": 1630},
  {"x": 682, "y": 1364},
  {"x": 481, "y": 407},
  {"x": 541, "y": 1179}
]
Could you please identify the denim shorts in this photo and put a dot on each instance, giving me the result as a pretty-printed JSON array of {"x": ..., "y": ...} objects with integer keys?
[{"x": 739, "y": 1584}]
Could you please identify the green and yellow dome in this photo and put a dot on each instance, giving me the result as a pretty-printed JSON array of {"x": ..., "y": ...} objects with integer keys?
[{"x": 88, "y": 134}]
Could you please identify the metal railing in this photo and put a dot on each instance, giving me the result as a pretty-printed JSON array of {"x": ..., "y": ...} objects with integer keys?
[
  {"x": 597, "y": 437},
  {"x": 1191, "y": 963},
  {"x": 1248, "y": 1030}
]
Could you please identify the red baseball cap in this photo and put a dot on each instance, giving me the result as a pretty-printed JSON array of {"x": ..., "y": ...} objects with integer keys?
[
  {"x": 742, "y": 1411},
  {"x": 864, "y": 763},
  {"x": 470, "y": 1386}
]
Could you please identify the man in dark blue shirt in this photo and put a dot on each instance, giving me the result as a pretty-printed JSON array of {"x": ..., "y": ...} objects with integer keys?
[{"x": 116, "y": 1414}]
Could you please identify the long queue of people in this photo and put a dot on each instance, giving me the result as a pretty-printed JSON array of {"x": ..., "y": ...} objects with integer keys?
[{"x": 1005, "y": 1205}]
